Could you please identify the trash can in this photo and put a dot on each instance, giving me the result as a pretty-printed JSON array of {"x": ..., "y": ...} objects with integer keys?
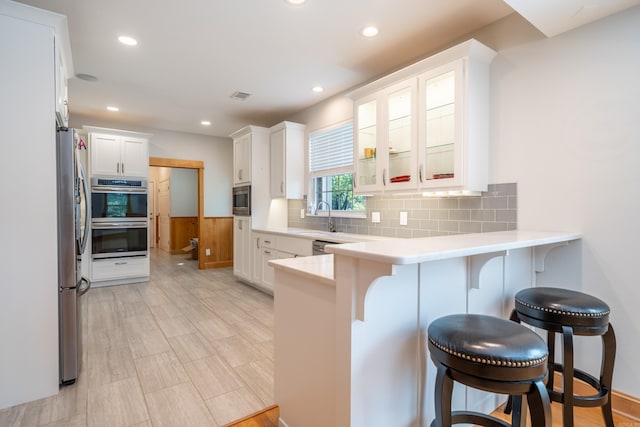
[{"x": 194, "y": 244}]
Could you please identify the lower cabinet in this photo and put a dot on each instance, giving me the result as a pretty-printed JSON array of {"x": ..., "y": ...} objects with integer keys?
[
  {"x": 242, "y": 247},
  {"x": 113, "y": 271},
  {"x": 266, "y": 247}
]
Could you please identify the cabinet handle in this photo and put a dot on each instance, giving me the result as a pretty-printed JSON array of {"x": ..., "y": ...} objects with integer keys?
[
  {"x": 420, "y": 172},
  {"x": 384, "y": 176},
  {"x": 258, "y": 243},
  {"x": 121, "y": 263},
  {"x": 267, "y": 252},
  {"x": 122, "y": 168},
  {"x": 240, "y": 174},
  {"x": 267, "y": 242},
  {"x": 282, "y": 187},
  {"x": 239, "y": 225}
]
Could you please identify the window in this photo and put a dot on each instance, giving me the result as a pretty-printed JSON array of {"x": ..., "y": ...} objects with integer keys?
[{"x": 331, "y": 170}]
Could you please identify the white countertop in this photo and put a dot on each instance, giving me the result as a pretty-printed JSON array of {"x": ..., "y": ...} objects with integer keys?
[
  {"x": 318, "y": 267},
  {"x": 337, "y": 237},
  {"x": 413, "y": 251}
]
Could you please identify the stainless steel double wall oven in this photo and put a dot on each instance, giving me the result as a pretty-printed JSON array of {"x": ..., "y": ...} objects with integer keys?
[{"x": 119, "y": 217}]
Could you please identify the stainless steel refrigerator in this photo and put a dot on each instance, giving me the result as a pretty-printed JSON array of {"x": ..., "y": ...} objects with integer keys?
[{"x": 73, "y": 228}]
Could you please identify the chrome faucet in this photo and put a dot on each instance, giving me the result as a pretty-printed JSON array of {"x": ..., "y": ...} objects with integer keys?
[{"x": 330, "y": 225}]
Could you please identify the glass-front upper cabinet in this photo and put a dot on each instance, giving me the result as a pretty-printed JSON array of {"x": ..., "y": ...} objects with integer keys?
[
  {"x": 385, "y": 139},
  {"x": 400, "y": 141},
  {"x": 441, "y": 131},
  {"x": 366, "y": 176}
]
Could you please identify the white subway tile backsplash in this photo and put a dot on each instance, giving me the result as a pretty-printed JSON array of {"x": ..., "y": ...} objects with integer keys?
[{"x": 494, "y": 210}]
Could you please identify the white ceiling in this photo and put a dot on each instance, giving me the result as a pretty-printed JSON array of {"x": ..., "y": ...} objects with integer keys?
[{"x": 193, "y": 54}]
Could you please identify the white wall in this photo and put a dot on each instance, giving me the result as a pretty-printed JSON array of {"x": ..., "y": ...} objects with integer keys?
[
  {"x": 215, "y": 152},
  {"x": 565, "y": 127},
  {"x": 184, "y": 192},
  {"x": 28, "y": 221},
  {"x": 564, "y": 123}
]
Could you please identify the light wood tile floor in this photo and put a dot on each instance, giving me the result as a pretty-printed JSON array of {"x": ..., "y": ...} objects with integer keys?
[{"x": 189, "y": 348}]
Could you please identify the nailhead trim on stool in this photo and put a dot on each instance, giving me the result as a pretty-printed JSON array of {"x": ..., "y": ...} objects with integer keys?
[
  {"x": 571, "y": 313},
  {"x": 488, "y": 353}
]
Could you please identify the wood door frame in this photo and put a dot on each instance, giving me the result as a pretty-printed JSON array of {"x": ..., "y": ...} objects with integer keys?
[{"x": 199, "y": 166}]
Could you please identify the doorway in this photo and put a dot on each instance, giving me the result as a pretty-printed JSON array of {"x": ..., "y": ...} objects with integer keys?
[{"x": 199, "y": 166}]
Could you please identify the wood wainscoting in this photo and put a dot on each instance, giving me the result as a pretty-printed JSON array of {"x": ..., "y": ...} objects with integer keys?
[
  {"x": 217, "y": 235},
  {"x": 181, "y": 230}
]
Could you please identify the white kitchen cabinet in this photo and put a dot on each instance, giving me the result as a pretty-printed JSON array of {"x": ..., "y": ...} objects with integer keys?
[
  {"x": 118, "y": 153},
  {"x": 287, "y": 161},
  {"x": 267, "y": 253},
  {"x": 425, "y": 127},
  {"x": 242, "y": 247},
  {"x": 119, "y": 270},
  {"x": 266, "y": 247},
  {"x": 242, "y": 160},
  {"x": 385, "y": 139},
  {"x": 62, "y": 91},
  {"x": 453, "y": 136}
]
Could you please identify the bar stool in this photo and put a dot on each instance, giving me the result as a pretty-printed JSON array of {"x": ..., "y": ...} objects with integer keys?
[
  {"x": 491, "y": 354},
  {"x": 571, "y": 313}
]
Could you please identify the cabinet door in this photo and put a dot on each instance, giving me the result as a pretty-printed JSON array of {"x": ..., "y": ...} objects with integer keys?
[
  {"x": 277, "y": 144},
  {"x": 400, "y": 142},
  {"x": 367, "y": 177},
  {"x": 105, "y": 155},
  {"x": 242, "y": 247},
  {"x": 242, "y": 160},
  {"x": 134, "y": 160},
  {"x": 267, "y": 276},
  {"x": 441, "y": 130},
  {"x": 256, "y": 261}
]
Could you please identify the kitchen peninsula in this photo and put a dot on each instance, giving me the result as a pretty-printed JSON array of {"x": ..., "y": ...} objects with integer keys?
[{"x": 349, "y": 326}]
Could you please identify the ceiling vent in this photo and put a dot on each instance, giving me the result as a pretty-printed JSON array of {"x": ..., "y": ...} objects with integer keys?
[{"x": 240, "y": 96}]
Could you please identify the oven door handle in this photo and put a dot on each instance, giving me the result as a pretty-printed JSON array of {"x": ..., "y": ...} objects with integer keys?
[
  {"x": 107, "y": 225},
  {"x": 108, "y": 189}
]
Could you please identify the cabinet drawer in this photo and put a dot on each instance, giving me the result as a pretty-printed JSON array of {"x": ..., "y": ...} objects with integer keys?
[
  {"x": 268, "y": 241},
  {"x": 119, "y": 268},
  {"x": 294, "y": 245}
]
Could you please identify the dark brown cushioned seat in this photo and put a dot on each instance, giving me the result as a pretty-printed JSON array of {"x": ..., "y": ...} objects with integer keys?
[
  {"x": 490, "y": 354},
  {"x": 570, "y": 313}
]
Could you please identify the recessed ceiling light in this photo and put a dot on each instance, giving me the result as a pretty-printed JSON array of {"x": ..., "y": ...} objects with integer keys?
[
  {"x": 205, "y": 123},
  {"x": 296, "y": 2},
  {"x": 113, "y": 109},
  {"x": 317, "y": 89},
  {"x": 129, "y": 41},
  {"x": 369, "y": 31}
]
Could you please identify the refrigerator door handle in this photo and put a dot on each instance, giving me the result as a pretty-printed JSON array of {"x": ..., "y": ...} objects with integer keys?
[
  {"x": 83, "y": 289},
  {"x": 87, "y": 200}
]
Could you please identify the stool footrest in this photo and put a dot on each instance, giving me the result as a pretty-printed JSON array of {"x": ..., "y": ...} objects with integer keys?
[
  {"x": 588, "y": 401},
  {"x": 477, "y": 418}
]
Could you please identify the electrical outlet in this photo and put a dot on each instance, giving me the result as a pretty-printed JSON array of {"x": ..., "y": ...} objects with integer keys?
[
  {"x": 207, "y": 252},
  {"x": 375, "y": 217},
  {"x": 301, "y": 213},
  {"x": 403, "y": 218}
]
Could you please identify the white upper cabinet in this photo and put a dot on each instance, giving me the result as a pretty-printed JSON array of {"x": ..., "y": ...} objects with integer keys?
[
  {"x": 287, "y": 161},
  {"x": 242, "y": 160},
  {"x": 118, "y": 153},
  {"x": 62, "y": 99},
  {"x": 426, "y": 127},
  {"x": 385, "y": 139}
]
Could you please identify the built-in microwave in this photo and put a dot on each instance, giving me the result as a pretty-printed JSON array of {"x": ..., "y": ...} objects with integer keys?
[{"x": 242, "y": 200}]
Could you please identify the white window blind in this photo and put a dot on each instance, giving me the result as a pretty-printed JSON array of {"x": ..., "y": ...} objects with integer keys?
[{"x": 331, "y": 149}]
